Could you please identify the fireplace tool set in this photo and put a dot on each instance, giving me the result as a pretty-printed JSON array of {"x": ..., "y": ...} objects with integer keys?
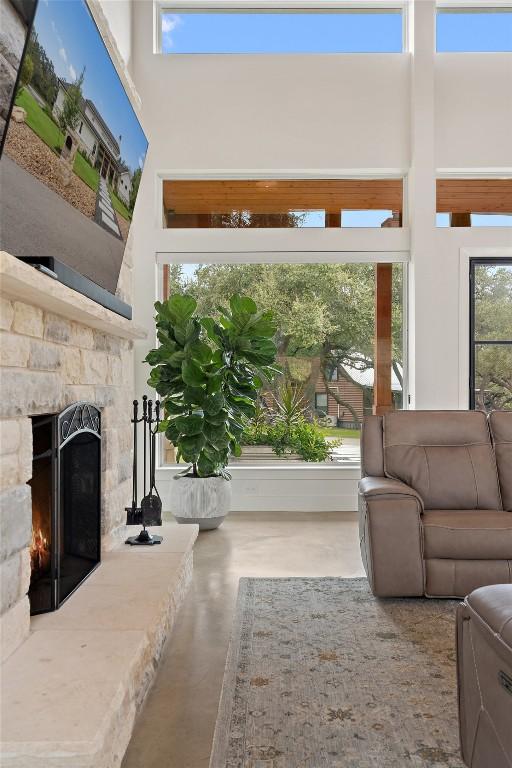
[{"x": 149, "y": 512}]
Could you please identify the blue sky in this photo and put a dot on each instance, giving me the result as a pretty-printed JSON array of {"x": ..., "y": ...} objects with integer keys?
[
  {"x": 474, "y": 31},
  {"x": 70, "y": 38},
  {"x": 281, "y": 32},
  {"x": 326, "y": 32}
]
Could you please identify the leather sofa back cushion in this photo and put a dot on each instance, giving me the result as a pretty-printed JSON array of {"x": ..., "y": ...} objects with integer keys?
[
  {"x": 501, "y": 429},
  {"x": 446, "y": 456},
  {"x": 372, "y": 455}
]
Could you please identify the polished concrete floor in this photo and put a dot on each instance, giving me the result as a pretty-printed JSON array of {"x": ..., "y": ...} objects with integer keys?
[{"x": 175, "y": 727}]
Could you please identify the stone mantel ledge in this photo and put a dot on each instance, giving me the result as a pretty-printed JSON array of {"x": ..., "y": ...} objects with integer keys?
[
  {"x": 72, "y": 690},
  {"x": 21, "y": 282}
]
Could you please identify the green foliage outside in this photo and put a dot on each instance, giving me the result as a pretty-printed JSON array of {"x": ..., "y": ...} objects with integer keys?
[
  {"x": 493, "y": 321},
  {"x": 340, "y": 432},
  {"x": 208, "y": 373},
  {"x": 27, "y": 70},
  {"x": 285, "y": 425},
  {"x": 325, "y": 314},
  {"x": 304, "y": 438}
]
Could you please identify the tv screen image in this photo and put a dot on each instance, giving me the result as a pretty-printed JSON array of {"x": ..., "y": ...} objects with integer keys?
[{"x": 73, "y": 148}]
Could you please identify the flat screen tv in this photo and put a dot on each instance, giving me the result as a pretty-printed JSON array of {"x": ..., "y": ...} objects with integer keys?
[{"x": 72, "y": 148}]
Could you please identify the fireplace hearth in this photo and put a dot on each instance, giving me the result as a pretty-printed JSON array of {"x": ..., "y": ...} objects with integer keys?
[{"x": 66, "y": 503}]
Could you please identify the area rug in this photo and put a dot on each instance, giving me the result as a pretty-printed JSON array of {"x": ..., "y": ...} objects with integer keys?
[{"x": 321, "y": 674}]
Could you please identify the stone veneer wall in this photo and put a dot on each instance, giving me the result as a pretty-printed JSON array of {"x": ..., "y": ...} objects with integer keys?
[{"x": 46, "y": 363}]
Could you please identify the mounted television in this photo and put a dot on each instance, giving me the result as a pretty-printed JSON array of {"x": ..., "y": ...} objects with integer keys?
[{"x": 72, "y": 148}]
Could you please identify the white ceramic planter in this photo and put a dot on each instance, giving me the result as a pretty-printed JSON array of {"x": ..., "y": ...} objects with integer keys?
[{"x": 202, "y": 500}]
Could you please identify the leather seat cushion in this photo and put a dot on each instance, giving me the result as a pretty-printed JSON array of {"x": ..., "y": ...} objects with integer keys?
[
  {"x": 501, "y": 429},
  {"x": 446, "y": 456},
  {"x": 467, "y": 534}
]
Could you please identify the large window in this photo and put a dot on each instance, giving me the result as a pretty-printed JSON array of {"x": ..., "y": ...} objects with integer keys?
[
  {"x": 278, "y": 203},
  {"x": 474, "y": 29},
  {"x": 312, "y": 30},
  {"x": 326, "y": 315},
  {"x": 491, "y": 334}
]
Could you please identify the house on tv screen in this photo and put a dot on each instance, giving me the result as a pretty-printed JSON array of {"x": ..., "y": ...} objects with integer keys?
[{"x": 98, "y": 142}]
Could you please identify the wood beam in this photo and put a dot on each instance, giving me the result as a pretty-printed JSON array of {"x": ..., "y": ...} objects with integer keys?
[
  {"x": 460, "y": 219},
  {"x": 382, "y": 396},
  {"x": 281, "y": 196},
  {"x": 166, "y": 287},
  {"x": 476, "y": 195},
  {"x": 333, "y": 219}
]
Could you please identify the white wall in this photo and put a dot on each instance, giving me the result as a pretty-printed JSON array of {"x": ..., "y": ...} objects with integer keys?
[
  {"x": 473, "y": 110},
  {"x": 415, "y": 112},
  {"x": 440, "y": 356},
  {"x": 119, "y": 15},
  {"x": 277, "y": 111}
]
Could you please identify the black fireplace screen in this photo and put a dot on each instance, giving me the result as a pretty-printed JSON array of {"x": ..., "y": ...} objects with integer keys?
[{"x": 66, "y": 499}]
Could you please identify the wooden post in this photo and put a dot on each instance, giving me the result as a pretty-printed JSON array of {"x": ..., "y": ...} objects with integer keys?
[
  {"x": 460, "y": 219},
  {"x": 333, "y": 219},
  {"x": 382, "y": 397},
  {"x": 166, "y": 283}
]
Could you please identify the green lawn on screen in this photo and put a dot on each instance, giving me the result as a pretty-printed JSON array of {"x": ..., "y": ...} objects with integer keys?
[{"x": 50, "y": 133}]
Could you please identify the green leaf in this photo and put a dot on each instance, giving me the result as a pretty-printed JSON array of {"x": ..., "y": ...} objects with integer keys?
[
  {"x": 192, "y": 373},
  {"x": 190, "y": 424},
  {"x": 199, "y": 351},
  {"x": 206, "y": 467},
  {"x": 181, "y": 307},
  {"x": 217, "y": 435},
  {"x": 214, "y": 403},
  {"x": 242, "y": 305},
  {"x": 218, "y": 418},
  {"x": 191, "y": 445},
  {"x": 193, "y": 396},
  {"x": 237, "y": 450},
  {"x": 213, "y": 330},
  {"x": 265, "y": 325},
  {"x": 176, "y": 359},
  {"x": 172, "y": 432}
]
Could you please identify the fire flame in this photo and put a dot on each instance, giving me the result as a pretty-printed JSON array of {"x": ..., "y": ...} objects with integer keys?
[{"x": 39, "y": 551}]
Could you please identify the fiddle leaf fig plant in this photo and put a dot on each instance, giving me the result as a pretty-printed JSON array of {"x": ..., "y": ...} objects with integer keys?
[{"x": 208, "y": 373}]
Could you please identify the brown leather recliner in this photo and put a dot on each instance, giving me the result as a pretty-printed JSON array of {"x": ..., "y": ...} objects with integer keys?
[
  {"x": 436, "y": 502},
  {"x": 484, "y": 674}
]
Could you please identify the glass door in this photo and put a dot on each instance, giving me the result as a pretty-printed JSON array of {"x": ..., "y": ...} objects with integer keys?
[{"x": 490, "y": 334}]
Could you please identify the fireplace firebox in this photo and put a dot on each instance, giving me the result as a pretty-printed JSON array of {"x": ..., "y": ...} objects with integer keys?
[{"x": 66, "y": 503}]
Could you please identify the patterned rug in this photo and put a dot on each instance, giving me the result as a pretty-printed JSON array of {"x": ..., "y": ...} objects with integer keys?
[{"x": 321, "y": 674}]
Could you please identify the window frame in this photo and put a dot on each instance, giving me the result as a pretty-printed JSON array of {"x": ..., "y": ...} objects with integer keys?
[
  {"x": 275, "y": 257},
  {"x": 474, "y": 262},
  {"x": 276, "y": 6}
]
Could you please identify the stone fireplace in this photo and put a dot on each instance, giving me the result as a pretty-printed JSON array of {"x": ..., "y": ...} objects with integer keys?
[
  {"x": 66, "y": 367},
  {"x": 66, "y": 504},
  {"x": 57, "y": 348}
]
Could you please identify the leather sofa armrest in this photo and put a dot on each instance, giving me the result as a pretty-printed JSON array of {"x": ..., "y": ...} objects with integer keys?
[
  {"x": 391, "y": 537},
  {"x": 382, "y": 487}
]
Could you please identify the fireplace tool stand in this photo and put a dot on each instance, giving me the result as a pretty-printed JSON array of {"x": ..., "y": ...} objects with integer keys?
[{"x": 150, "y": 510}]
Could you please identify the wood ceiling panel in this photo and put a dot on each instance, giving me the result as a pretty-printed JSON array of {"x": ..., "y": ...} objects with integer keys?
[
  {"x": 281, "y": 196},
  {"x": 474, "y": 195}
]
